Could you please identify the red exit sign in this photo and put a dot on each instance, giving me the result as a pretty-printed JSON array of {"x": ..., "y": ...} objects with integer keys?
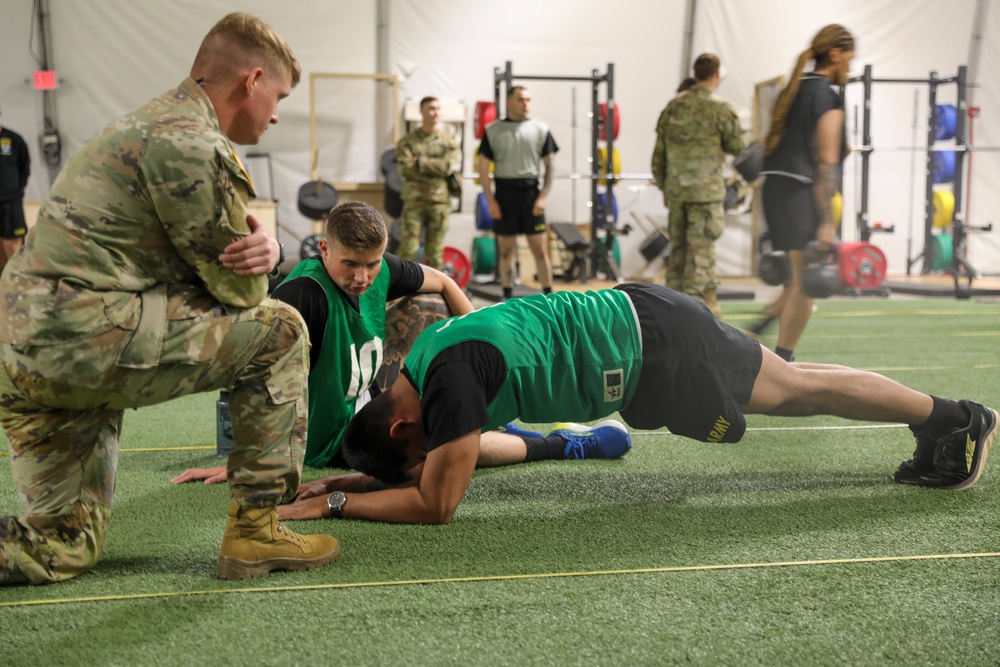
[{"x": 45, "y": 80}]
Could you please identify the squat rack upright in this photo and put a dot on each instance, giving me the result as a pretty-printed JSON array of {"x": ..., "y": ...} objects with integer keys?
[
  {"x": 507, "y": 77},
  {"x": 960, "y": 229}
]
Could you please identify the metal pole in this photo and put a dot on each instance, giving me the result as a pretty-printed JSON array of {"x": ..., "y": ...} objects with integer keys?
[
  {"x": 866, "y": 131},
  {"x": 975, "y": 47},
  {"x": 959, "y": 233},
  {"x": 609, "y": 190},
  {"x": 687, "y": 54},
  {"x": 929, "y": 250},
  {"x": 913, "y": 178},
  {"x": 572, "y": 124},
  {"x": 595, "y": 169}
]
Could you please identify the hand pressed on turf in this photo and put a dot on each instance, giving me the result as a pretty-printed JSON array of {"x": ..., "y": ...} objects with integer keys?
[
  {"x": 215, "y": 475},
  {"x": 311, "y": 508}
]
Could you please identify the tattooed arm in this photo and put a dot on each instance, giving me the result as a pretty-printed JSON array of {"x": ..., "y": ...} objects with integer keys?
[
  {"x": 404, "y": 320},
  {"x": 828, "y": 143}
]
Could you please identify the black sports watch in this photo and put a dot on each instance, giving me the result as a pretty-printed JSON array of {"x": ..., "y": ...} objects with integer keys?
[
  {"x": 336, "y": 501},
  {"x": 276, "y": 271}
]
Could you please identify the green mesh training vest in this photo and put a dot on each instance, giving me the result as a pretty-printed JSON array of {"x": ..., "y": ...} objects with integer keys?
[{"x": 351, "y": 355}]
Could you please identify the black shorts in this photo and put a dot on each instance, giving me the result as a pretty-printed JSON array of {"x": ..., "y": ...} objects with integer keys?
[
  {"x": 12, "y": 223},
  {"x": 515, "y": 208},
  {"x": 790, "y": 210},
  {"x": 697, "y": 372}
]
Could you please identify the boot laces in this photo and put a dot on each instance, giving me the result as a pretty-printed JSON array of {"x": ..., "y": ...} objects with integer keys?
[{"x": 292, "y": 535}]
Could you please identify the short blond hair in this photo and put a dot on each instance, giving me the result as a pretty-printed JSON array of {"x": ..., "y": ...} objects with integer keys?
[{"x": 241, "y": 40}]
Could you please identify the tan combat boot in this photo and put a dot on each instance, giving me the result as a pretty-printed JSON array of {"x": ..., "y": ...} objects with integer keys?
[
  {"x": 712, "y": 301},
  {"x": 255, "y": 543}
]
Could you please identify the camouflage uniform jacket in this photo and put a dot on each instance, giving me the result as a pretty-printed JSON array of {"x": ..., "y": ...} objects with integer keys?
[
  {"x": 693, "y": 134},
  {"x": 425, "y": 161},
  {"x": 148, "y": 203}
]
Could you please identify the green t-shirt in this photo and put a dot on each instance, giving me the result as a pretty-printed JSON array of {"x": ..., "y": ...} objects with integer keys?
[{"x": 571, "y": 356}]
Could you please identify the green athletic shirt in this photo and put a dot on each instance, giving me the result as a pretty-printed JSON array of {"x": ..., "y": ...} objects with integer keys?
[
  {"x": 571, "y": 356},
  {"x": 349, "y": 359}
]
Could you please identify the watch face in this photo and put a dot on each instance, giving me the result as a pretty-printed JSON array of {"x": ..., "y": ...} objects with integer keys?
[{"x": 336, "y": 502}]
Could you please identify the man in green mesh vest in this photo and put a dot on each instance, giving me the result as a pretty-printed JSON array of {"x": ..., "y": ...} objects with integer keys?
[{"x": 656, "y": 356}]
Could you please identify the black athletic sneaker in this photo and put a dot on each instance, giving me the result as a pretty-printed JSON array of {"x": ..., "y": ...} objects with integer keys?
[
  {"x": 922, "y": 462},
  {"x": 961, "y": 453}
]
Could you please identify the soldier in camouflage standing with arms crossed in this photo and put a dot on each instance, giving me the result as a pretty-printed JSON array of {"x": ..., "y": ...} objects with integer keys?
[
  {"x": 693, "y": 134},
  {"x": 144, "y": 280},
  {"x": 426, "y": 157}
]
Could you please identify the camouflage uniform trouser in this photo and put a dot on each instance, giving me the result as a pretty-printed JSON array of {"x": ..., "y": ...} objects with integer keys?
[
  {"x": 429, "y": 218},
  {"x": 62, "y": 405},
  {"x": 693, "y": 229}
]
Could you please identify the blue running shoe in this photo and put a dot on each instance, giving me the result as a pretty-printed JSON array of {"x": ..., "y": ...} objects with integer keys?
[
  {"x": 514, "y": 429},
  {"x": 608, "y": 439}
]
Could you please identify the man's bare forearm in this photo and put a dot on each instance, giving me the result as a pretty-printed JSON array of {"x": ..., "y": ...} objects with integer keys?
[{"x": 548, "y": 178}]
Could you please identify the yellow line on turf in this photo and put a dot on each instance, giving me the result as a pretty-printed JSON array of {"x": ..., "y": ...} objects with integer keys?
[
  {"x": 192, "y": 448},
  {"x": 168, "y": 449},
  {"x": 874, "y": 313},
  {"x": 975, "y": 367},
  {"x": 953, "y": 334},
  {"x": 506, "y": 577}
]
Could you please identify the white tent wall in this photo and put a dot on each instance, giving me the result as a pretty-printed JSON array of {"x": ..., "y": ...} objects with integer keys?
[
  {"x": 112, "y": 55},
  {"x": 984, "y": 248}
]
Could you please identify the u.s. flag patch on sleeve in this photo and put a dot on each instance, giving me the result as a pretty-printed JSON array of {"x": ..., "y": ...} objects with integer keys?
[{"x": 613, "y": 385}]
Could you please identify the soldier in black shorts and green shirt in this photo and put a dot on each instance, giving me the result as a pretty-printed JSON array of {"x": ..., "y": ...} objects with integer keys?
[
  {"x": 656, "y": 356},
  {"x": 517, "y": 145}
]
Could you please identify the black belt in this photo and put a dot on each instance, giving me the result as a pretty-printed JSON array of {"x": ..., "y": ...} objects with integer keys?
[{"x": 516, "y": 183}]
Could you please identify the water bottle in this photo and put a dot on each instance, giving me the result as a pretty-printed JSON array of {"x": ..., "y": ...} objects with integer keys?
[{"x": 223, "y": 425}]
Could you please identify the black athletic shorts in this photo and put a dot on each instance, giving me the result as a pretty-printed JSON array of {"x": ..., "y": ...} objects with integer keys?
[
  {"x": 790, "y": 210},
  {"x": 697, "y": 372},
  {"x": 515, "y": 208},
  {"x": 12, "y": 223}
]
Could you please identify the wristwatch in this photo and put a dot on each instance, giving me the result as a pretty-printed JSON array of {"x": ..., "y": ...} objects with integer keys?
[
  {"x": 336, "y": 501},
  {"x": 276, "y": 271}
]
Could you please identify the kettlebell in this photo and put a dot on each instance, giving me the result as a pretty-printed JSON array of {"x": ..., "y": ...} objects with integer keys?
[
  {"x": 963, "y": 290},
  {"x": 821, "y": 278},
  {"x": 773, "y": 268}
]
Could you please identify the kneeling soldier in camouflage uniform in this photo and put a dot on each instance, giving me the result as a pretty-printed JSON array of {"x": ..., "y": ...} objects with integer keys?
[{"x": 142, "y": 281}]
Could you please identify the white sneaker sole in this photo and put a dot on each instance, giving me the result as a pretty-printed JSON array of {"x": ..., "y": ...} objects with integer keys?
[{"x": 573, "y": 426}]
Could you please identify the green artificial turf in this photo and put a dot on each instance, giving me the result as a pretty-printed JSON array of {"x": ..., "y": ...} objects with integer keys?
[{"x": 793, "y": 491}]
